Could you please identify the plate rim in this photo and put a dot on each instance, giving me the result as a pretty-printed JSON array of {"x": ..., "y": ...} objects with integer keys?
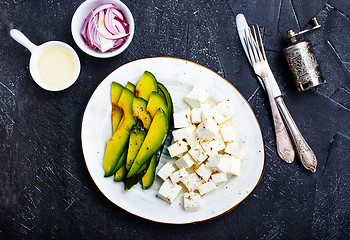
[{"x": 246, "y": 101}]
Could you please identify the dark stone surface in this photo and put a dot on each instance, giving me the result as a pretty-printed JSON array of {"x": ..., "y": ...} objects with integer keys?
[{"x": 46, "y": 191}]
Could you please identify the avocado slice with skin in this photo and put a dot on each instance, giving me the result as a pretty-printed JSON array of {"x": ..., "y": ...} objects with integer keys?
[
  {"x": 154, "y": 139},
  {"x": 146, "y": 86},
  {"x": 118, "y": 142},
  {"x": 131, "y": 87},
  {"x": 117, "y": 112},
  {"x": 155, "y": 102}
]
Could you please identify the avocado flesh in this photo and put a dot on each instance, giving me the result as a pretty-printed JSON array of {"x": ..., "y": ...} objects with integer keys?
[
  {"x": 118, "y": 142},
  {"x": 153, "y": 141},
  {"x": 146, "y": 86},
  {"x": 139, "y": 109},
  {"x": 117, "y": 112}
]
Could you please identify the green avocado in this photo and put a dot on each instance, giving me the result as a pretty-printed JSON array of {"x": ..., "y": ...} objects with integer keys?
[
  {"x": 139, "y": 109},
  {"x": 146, "y": 86},
  {"x": 118, "y": 142},
  {"x": 117, "y": 112},
  {"x": 137, "y": 136},
  {"x": 154, "y": 139}
]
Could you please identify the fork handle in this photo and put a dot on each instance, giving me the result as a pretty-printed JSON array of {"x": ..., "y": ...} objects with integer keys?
[
  {"x": 304, "y": 152},
  {"x": 284, "y": 145}
]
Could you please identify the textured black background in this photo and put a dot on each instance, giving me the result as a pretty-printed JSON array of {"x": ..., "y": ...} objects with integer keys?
[{"x": 46, "y": 191}]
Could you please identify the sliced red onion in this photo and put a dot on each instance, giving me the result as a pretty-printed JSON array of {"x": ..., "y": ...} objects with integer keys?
[{"x": 117, "y": 28}]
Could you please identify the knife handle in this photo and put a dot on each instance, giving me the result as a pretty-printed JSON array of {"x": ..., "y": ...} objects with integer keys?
[
  {"x": 284, "y": 145},
  {"x": 304, "y": 152}
]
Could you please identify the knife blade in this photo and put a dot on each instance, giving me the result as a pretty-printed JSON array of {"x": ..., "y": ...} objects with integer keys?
[{"x": 242, "y": 26}]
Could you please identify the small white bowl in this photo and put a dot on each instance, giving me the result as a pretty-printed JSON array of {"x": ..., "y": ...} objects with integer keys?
[{"x": 78, "y": 21}]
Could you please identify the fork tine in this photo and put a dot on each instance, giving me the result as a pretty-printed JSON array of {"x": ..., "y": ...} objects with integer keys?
[
  {"x": 249, "y": 47},
  {"x": 261, "y": 42},
  {"x": 254, "y": 45},
  {"x": 257, "y": 44}
]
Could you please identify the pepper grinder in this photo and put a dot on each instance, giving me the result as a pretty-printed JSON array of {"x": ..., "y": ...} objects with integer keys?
[{"x": 302, "y": 60}]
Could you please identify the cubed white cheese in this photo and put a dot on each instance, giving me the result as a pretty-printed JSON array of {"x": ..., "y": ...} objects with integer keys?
[
  {"x": 192, "y": 182},
  {"x": 206, "y": 187},
  {"x": 220, "y": 163},
  {"x": 204, "y": 172},
  {"x": 182, "y": 119},
  {"x": 185, "y": 162},
  {"x": 229, "y": 133},
  {"x": 218, "y": 178},
  {"x": 197, "y": 96},
  {"x": 182, "y": 133},
  {"x": 235, "y": 149},
  {"x": 222, "y": 111},
  {"x": 196, "y": 115},
  {"x": 235, "y": 167},
  {"x": 197, "y": 154},
  {"x": 192, "y": 140},
  {"x": 206, "y": 111},
  {"x": 213, "y": 145},
  {"x": 192, "y": 201},
  {"x": 179, "y": 175},
  {"x": 207, "y": 129},
  {"x": 177, "y": 148},
  {"x": 165, "y": 171},
  {"x": 169, "y": 191}
]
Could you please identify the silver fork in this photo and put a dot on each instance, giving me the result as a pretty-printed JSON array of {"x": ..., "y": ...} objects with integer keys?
[{"x": 261, "y": 68}]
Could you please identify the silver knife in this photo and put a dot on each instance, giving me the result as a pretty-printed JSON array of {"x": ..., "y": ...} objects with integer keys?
[{"x": 303, "y": 150}]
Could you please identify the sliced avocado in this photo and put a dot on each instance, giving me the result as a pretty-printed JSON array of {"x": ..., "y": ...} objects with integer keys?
[
  {"x": 148, "y": 179},
  {"x": 153, "y": 141},
  {"x": 139, "y": 109},
  {"x": 117, "y": 112},
  {"x": 146, "y": 86},
  {"x": 155, "y": 102},
  {"x": 118, "y": 142},
  {"x": 130, "y": 182},
  {"x": 130, "y": 86},
  {"x": 121, "y": 161},
  {"x": 137, "y": 136},
  {"x": 169, "y": 101},
  {"x": 120, "y": 174}
]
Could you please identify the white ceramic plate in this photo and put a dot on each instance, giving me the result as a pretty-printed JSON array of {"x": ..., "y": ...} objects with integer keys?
[{"x": 179, "y": 76}]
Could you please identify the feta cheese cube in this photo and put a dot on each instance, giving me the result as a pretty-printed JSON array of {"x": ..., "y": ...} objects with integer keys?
[
  {"x": 229, "y": 133},
  {"x": 197, "y": 96},
  {"x": 206, "y": 111},
  {"x": 213, "y": 145},
  {"x": 165, "y": 171},
  {"x": 197, "y": 154},
  {"x": 220, "y": 163},
  {"x": 185, "y": 162},
  {"x": 169, "y": 191},
  {"x": 177, "y": 148},
  {"x": 192, "y": 140},
  {"x": 235, "y": 167},
  {"x": 235, "y": 149},
  {"x": 204, "y": 172},
  {"x": 218, "y": 178},
  {"x": 182, "y": 119},
  {"x": 208, "y": 128},
  {"x": 179, "y": 175},
  {"x": 182, "y": 133},
  {"x": 192, "y": 182},
  {"x": 206, "y": 187},
  {"x": 222, "y": 111},
  {"x": 192, "y": 201},
  {"x": 196, "y": 115}
]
